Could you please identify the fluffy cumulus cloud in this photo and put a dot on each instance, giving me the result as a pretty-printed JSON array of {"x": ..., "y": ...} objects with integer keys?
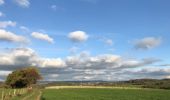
[
  {"x": 5, "y": 24},
  {"x": 106, "y": 61},
  {"x": 23, "y": 3},
  {"x": 78, "y": 36},
  {"x": 55, "y": 62},
  {"x": 82, "y": 66},
  {"x": 17, "y": 57},
  {"x": 2, "y": 2},
  {"x": 22, "y": 57},
  {"x": 42, "y": 36},
  {"x": 148, "y": 43},
  {"x": 11, "y": 37}
]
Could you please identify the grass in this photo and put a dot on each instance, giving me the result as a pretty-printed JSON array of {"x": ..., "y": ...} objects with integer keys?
[
  {"x": 92, "y": 93},
  {"x": 105, "y": 94},
  {"x": 34, "y": 96},
  {"x": 11, "y": 93},
  {"x": 26, "y": 96}
]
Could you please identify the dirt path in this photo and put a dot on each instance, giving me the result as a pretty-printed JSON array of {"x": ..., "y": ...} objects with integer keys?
[
  {"x": 26, "y": 97},
  {"x": 39, "y": 96},
  {"x": 36, "y": 95}
]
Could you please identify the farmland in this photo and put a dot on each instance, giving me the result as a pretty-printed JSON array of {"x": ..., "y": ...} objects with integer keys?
[
  {"x": 88, "y": 93},
  {"x": 105, "y": 94},
  {"x": 143, "y": 89}
]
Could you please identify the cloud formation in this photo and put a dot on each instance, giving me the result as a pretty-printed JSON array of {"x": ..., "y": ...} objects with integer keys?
[
  {"x": 148, "y": 43},
  {"x": 147, "y": 72},
  {"x": 73, "y": 50},
  {"x": 78, "y": 36},
  {"x": 53, "y": 7},
  {"x": 106, "y": 61},
  {"x": 109, "y": 42},
  {"x": 80, "y": 67},
  {"x": 23, "y": 57},
  {"x": 42, "y": 36},
  {"x": 23, "y": 3},
  {"x": 5, "y": 24},
  {"x": 2, "y": 2},
  {"x": 7, "y": 36},
  {"x": 24, "y": 28},
  {"x": 1, "y": 14}
]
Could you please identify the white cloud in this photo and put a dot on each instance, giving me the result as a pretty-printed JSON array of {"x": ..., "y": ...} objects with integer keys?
[
  {"x": 148, "y": 43},
  {"x": 18, "y": 57},
  {"x": 4, "y": 73},
  {"x": 165, "y": 65},
  {"x": 78, "y": 36},
  {"x": 167, "y": 77},
  {"x": 82, "y": 77},
  {"x": 42, "y": 36},
  {"x": 73, "y": 50},
  {"x": 2, "y": 14},
  {"x": 2, "y": 2},
  {"x": 4, "y": 24},
  {"x": 27, "y": 56},
  {"x": 23, "y": 57},
  {"x": 57, "y": 8},
  {"x": 55, "y": 62},
  {"x": 23, "y": 3},
  {"x": 109, "y": 42},
  {"x": 24, "y": 28},
  {"x": 54, "y": 7},
  {"x": 82, "y": 66},
  {"x": 148, "y": 72},
  {"x": 106, "y": 61},
  {"x": 11, "y": 37}
]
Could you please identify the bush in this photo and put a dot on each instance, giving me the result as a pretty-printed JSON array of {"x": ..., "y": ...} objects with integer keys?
[{"x": 23, "y": 77}]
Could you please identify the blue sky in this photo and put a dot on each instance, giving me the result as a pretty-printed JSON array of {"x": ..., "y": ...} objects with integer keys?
[{"x": 54, "y": 30}]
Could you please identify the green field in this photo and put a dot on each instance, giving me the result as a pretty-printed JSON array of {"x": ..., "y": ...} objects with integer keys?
[
  {"x": 105, "y": 94},
  {"x": 91, "y": 93}
]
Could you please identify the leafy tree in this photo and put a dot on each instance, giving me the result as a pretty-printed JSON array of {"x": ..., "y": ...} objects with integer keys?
[{"x": 23, "y": 77}]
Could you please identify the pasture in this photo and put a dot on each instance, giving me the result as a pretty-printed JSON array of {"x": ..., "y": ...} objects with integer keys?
[
  {"x": 86, "y": 93},
  {"x": 76, "y": 93}
]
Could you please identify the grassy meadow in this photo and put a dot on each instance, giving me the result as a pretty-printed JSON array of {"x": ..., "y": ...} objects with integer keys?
[
  {"x": 87, "y": 93},
  {"x": 105, "y": 94}
]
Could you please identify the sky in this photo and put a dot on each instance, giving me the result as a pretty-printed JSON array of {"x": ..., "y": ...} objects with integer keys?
[{"x": 66, "y": 40}]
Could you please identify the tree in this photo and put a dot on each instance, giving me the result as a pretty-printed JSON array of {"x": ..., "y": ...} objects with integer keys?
[{"x": 23, "y": 77}]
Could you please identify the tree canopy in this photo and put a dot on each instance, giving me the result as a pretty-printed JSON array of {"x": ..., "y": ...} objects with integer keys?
[{"x": 23, "y": 77}]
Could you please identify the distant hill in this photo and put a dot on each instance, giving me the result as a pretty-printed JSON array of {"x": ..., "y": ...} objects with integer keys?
[
  {"x": 143, "y": 83},
  {"x": 151, "y": 83}
]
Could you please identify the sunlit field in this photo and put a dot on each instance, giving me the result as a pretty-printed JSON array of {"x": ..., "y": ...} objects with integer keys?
[
  {"x": 105, "y": 94},
  {"x": 85, "y": 93}
]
